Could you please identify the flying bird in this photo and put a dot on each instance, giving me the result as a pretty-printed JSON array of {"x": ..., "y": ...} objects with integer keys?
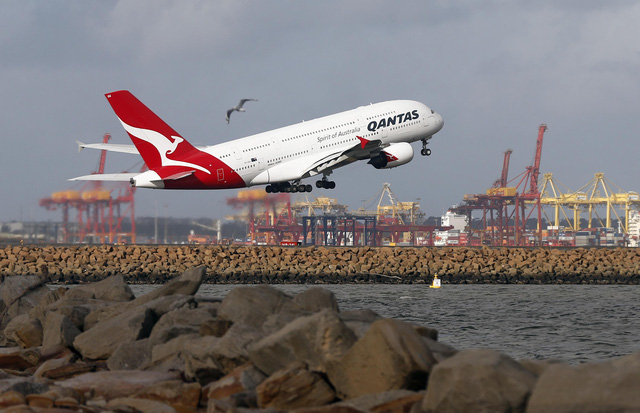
[{"x": 238, "y": 107}]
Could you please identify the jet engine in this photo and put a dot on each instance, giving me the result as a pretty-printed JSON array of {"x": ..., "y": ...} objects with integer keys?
[{"x": 395, "y": 155}]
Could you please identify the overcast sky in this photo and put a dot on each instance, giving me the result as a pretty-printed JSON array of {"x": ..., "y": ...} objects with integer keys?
[{"x": 494, "y": 69}]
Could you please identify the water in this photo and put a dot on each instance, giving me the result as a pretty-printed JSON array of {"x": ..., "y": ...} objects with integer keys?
[{"x": 574, "y": 323}]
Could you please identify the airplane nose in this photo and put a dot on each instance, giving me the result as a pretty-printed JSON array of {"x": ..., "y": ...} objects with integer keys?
[{"x": 439, "y": 122}]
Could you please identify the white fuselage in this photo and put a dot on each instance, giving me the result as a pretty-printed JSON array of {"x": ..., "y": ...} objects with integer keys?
[{"x": 280, "y": 154}]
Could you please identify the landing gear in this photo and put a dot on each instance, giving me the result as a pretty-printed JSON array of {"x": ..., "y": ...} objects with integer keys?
[
  {"x": 425, "y": 151},
  {"x": 287, "y": 187},
  {"x": 324, "y": 183}
]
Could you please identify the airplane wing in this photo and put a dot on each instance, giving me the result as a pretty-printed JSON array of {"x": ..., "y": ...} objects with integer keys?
[
  {"x": 124, "y": 177},
  {"x": 364, "y": 150}
]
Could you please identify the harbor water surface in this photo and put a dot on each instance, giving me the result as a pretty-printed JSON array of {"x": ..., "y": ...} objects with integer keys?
[{"x": 573, "y": 323}]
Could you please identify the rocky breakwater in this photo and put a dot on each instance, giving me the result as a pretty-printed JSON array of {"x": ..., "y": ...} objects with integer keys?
[
  {"x": 96, "y": 347},
  {"x": 267, "y": 264}
]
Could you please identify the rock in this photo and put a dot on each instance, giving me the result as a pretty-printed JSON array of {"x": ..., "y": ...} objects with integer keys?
[
  {"x": 24, "y": 331},
  {"x": 215, "y": 327},
  {"x": 68, "y": 370},
  {"x": 201, "y": 361},
  {"x": 253, "y": 305},
  {"x": 114, "y": 384},
  {"x": 112, "y": 288},
  {"x": 11, "y": 398},
  {"x": 130, "y": 356},
  {"x": 610, "y": 386},
  {"x": 293, "y": 388},
  {"x": 16, "y": 358},
  {"x": 314, "y": 340},
  {"x": 243, "y": 379},
  {"x": 390, "y": 355},
  {"x": 178, "y": 322},
  {"x": 359, "y": 321},
  {"x": 176, "y": 393},
  {"x": 62, "y": 359},
  {"x": 478, "y": 377},
  {"x": 105, "y": 337},
  {"x": 390, "y": 401},
  {"x": 170, "y": 355},
  {"x": 15, "y": 287},
  {"x": 58, "y": 331},
  {"x": 139, "y": 405},
  {"x": 315, "y": 299}
]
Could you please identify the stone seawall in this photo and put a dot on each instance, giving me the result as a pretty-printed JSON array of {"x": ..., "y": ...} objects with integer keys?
[{"x": 245, "y": 264}]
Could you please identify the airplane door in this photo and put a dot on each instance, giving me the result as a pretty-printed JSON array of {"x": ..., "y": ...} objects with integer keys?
[
  {"x": 261, "y": 164},
  {"x": 237, "y": 153}
]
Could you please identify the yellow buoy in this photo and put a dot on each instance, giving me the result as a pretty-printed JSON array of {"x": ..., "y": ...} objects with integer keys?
[{"x": 436, "y": 282}]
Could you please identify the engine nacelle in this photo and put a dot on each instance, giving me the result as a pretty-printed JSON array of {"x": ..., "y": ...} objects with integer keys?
[{"x": 395, "y": 155}]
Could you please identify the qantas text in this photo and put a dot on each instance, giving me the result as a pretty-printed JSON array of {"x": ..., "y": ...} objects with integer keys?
[{"x": 384, "y": 122}]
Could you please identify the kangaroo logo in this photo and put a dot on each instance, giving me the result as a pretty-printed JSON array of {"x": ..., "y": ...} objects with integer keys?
[{"x": 163, "y": 145}]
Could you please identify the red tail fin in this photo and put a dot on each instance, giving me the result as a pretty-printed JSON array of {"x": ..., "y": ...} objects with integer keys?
[{"x": 153, "y": 138}]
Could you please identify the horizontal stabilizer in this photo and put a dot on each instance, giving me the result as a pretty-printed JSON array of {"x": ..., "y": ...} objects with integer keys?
[
  {"x": 121, "y": 177},
  {"x": 111, "y": 147}
]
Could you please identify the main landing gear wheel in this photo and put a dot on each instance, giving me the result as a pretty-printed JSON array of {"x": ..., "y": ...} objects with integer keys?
[
  {"x": 425, "y": 151},
  {"x": 325, "y": 184},
  {"x": 286, "y": 187}
]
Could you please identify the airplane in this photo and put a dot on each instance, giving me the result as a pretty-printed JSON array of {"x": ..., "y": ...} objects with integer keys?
[{"x": 379, "y": 133}]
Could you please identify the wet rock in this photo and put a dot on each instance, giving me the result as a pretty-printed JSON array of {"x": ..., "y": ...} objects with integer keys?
[
  {"x": 292, "y": 388},
  {"x": 390, "y": 355},
  {"x": 610, "y": 386},
  {"x": 314, "y": 340},
  {"x": 478, "y": 377}
]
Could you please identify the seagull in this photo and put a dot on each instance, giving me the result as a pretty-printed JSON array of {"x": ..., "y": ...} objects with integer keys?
[{"x": 238, "y": 107}]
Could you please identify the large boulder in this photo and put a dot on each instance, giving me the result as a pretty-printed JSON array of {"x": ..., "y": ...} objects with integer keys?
[
  {"x": 391, "y": 355},
  {"x": 20, "y": 294},
  {"x": 316, "y": 299},
  {"x": 113, "y": 288},
  {"x": 105, "y": 337},
  {"x": 478, "y": 380},
  {"x": 59, "y": 330},
  {"x": 24, "y": 331},
  {"x": 177, "y": 322},
  {"x": 253, "y": 305},
  {"x": 185, "y": 285},
  {"x": 610, "y": 386},
  {"x": 315, "y": 340}
]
